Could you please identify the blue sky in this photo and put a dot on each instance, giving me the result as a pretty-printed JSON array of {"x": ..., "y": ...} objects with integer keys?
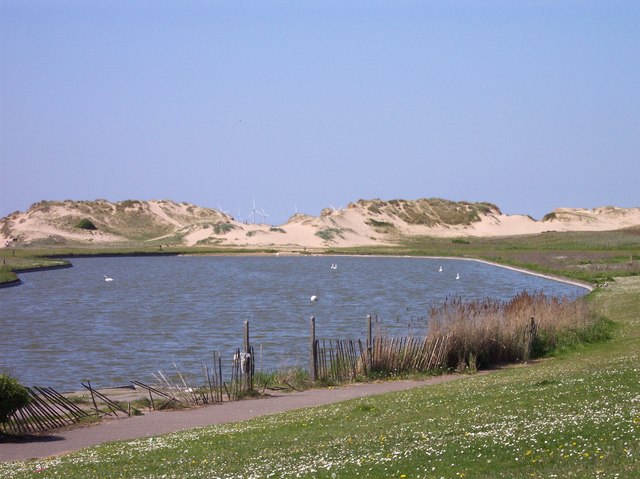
[{"x": 531, "y": 105}]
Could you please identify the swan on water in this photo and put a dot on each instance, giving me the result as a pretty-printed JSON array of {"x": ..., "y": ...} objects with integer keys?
[
  {"x": 440, "y": 269},
  {"x": 314, "y": 299},
  {"x": 107, "y": 278},
  {"x": 458, "y": 276}
]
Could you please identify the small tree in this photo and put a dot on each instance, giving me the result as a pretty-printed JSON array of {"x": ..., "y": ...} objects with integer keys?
[{"x": 13, "y": 396}]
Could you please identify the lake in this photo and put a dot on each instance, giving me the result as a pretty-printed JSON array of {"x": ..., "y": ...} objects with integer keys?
[{"x": 65, "y": 326}]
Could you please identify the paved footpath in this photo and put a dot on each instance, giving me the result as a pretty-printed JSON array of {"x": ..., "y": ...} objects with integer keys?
[{"x": 164, "y": 422}]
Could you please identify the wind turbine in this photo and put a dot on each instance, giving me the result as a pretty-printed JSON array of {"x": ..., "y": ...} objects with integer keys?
[
  {"x": 253, "y": 212},
  {"x": 226, "y": 213},
  {"x": 263, "y": 214}
]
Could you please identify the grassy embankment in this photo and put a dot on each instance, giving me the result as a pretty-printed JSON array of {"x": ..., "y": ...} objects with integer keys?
[
  {"x": 12, "y": 262},
  {"x": 575, "y": 414},
  {"x": 593, "y": 257}
]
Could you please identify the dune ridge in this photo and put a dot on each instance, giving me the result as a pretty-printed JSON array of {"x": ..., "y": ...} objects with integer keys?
[{"x": 362, "y": 223}]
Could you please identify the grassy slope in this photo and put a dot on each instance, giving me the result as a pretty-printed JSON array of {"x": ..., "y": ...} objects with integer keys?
[
  {"x": 587, "y": 256},
  {"x": 574, "y": 415}
]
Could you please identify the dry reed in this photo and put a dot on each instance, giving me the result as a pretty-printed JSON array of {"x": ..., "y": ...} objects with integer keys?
[
  {"x": 464, "y": 336},
  {"x": 491, "y": 332}
]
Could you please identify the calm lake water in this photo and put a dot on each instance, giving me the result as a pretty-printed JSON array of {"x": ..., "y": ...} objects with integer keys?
[{"x": 65, "y": 326}]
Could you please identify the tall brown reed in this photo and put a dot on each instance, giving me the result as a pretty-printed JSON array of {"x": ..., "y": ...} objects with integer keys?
[{"x": 491, "y": 332}]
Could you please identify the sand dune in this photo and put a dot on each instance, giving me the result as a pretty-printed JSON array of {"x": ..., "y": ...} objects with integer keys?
[{"x": 363, "y": 223}]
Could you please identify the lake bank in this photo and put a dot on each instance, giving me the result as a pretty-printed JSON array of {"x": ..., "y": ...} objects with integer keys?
[
  {"x": 572, "y": 416},
  {"x": 164, "y": 311}
]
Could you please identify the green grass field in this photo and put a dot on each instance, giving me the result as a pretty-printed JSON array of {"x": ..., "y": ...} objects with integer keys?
[{"x": 574, "y": 414}]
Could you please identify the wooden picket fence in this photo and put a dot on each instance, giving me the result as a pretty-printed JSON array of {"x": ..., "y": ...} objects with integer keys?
[
  {"x": 47, "y": 409},
  {"x": 349, "y": 360}
]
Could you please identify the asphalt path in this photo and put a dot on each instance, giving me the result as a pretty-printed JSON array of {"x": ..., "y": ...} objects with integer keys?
[{"x": 164, "y": 422}]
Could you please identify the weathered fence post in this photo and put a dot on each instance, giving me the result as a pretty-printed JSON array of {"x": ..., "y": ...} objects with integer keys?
[
  {"x": 312, "y": 350},
  {"x": 529, "y": 338},
  {"x": 247, "y": 360},
  {"x": 246, "y": 336},
  {"x": 369, "y": 344}
]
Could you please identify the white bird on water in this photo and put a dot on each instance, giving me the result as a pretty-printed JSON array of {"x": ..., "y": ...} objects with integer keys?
[
  {"x": 334, "y": 266},
  {"x": 314, "y": 299},
  {"x": 107, "y": 278},
  {"x": 440, "y": 269},
  {"x": 458, "y": 276}
]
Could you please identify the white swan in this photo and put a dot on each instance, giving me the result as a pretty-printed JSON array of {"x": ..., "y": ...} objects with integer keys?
[
  {"x": 107, "y": 278},
  {"x": 440, "y": 269},
  {"x": 314, "y": 299},
  {"x": 458, "y": 276}
]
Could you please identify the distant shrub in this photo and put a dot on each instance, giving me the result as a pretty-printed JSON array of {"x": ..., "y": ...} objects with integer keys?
[
  {"x": 222, "y": 228},
  {"x": 379, "y": 224},
  {"x": 13, "y": 396},
  {"x": 328, "y": 234},
  {"x": 549, "y": 217},
  {"x": 130, "y": 204},
  {"x": 86, "y": 224},
  {"x": 277, "y": 230},
  {"x": 460, "y": 241}
]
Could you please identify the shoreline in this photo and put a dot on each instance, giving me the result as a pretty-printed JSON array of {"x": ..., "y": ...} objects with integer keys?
[
  {"x": 561, "y": 279},
  {"x": 558, "y": 278},
  {"x": 9, "y": 284}
]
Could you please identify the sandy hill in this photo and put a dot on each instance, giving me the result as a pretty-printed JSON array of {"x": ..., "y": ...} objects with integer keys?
[{"x": 365, "y": 222}]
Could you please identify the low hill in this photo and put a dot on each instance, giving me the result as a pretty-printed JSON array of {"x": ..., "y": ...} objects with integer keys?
[{"x": 363, "y": 223}]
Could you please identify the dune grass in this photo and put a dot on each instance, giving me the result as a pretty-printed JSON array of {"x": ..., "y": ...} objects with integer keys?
[{"x": 576, "y": 414}]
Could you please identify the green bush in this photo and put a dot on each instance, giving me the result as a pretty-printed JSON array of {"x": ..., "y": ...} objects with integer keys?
[
  {"x": 13, "y": 396},
  {"x": 328, "y": 234},
  {"x": 86, "y": 224},
  {"x": 222, "y": 228}
]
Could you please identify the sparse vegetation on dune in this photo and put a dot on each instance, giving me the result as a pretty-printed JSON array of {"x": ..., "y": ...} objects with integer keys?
[
  {"x": 329, "y": 234},
  {"x": 429, "y": 212},
  {"x": 103, "y": 224}
]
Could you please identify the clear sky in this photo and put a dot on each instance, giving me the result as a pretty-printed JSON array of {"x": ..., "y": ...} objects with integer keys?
[{"x": 531, "y": 105}]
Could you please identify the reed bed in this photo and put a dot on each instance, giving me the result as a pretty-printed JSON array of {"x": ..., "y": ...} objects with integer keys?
[
  {"x": 465, "y": 336},
  {"x": 488, "y": 332}
]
